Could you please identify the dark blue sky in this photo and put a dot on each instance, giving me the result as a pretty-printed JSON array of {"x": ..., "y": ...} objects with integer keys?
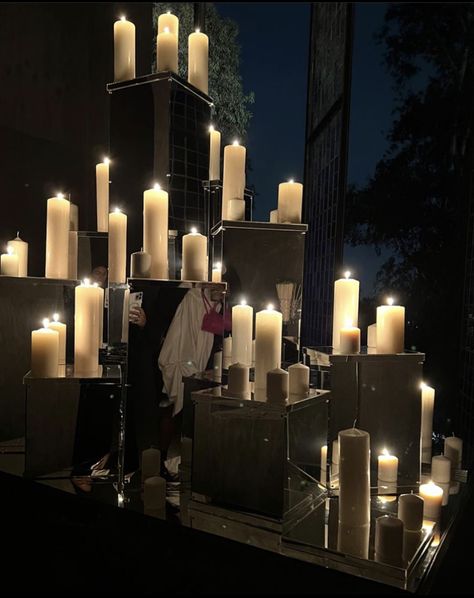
[{"x": 274, "y": 58}]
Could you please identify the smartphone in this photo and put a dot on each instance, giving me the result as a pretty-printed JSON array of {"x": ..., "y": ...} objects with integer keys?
[{"x": 135, "y": 300}]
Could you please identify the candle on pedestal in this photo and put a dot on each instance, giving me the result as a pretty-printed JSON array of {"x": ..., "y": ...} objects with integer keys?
[
  {"x": 151, "y": 463},
  {"x": 227, "y": 352},
  {"x": 20, "y": 248},
  {"x": 346, "y": 307},
  {"x": 124, "y": 50},
  {"x": 194, "y": 256},
  {"x": 389, "y": 540},
  {"x": 372, "y": 336},
  {"x": 441, "y": 475},
  {"x": 453, "y": 451},
  {"x": 102, "y": 176},
  {"x": 170, "y": 21},
  {"x": 239, "y": 381},
  {"x": 390, "y": 328},
  {"x": 57, "y": 237},
  {"x": 242, "y": 328},
  {"x": 298, "y": 379},
  {"x": 217, "y": 272},
  {"x": 427, "y": 408},
  {"x": 277, "y": 386},
  {"x": 387, "y": 467},
  {"x": 198, "y": 60},
  {"x": 61, "y": 329},
  {"x": 433, "y": 498},
  {"x": 117, "y": 247},
  {"x": 167, "y": 51},
  {"x": 274, "y": 216},
  {"x": 214, "y": 154},
  {"x": 268, "y": 339},
  {"x": 86, "y": 328},
  {"x": 349, "y": 342},
  {"x": 324, "y": 464},
  {"x": 233, "y": 183},
  {"x": 9, "y": 263},
  {"x": 140, "y": 264},
  {"x": 45, "y": 352},
  {"x": 236, "y": 209},
  {"x": 155, "y": 230},
  {"x": 290, "y": 202},
  {"x": 354, "y": 477},
  {"x": 410, "y": 511}
]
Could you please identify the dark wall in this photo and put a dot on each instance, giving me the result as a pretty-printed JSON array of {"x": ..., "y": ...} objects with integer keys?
[{"x": 55, "y": 61}]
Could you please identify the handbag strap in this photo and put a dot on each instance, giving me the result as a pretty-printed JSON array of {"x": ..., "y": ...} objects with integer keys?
[{"x": 208, "y": 307}]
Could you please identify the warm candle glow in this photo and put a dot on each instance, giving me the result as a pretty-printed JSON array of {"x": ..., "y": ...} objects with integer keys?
[
  {"x": 56, "y": 317},
  {"x": 270, "y": 306},
  {"x": 117, "y": 210},
  {"x": 86, "y": 282},
  {"x": 385, "y": 452},
  {"x": 347, "y": 274},
  {"x": 168, "y": 12},
  {"x": 243, "y": 302},
  {"x": 45, "y": 322},
  {"x": 9, "y": 250},
  {"x": 390, "y": 300},
  {"x": 106, "y": 160},
  {"x": 235, "y": 142},
  {"x": 157, "y": 187},
  {"x": 194, "y": 231},
  {"x": 197, "y": 30},
  {"x": 60, "y": 195},
  {"x": 291, "y": 181},
  {"x": 218, "y": 266},
  {"x": 423, "y": 385},
  {"x": 123, "y": 18},
  {"x": 211, "y": 128},
  {"x": 166, "y": 30}
]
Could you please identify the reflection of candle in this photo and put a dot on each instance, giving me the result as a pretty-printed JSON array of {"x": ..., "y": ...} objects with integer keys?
[
  {"x": 427, "y": 407},
  {"x": 194, "y": 256},
  {"x": 349, "y": 342},
  {"x": 102, "y": 195},
  {"x": 453, "y": 451},
  {"x": 242, "y": 329},
  {"x": 299, "y": 379},
  {"x": 389, "y": 540},
  {"x": 277, "y": 386},
  {"x": 372, "y": 336},
  {"x": 346, "y": 307},
  {"x": 61, "y": 329},
  {"x": 433, "y": 497},
  {"x": 441, "y": 475},
  {"x": 20, "y": 248},
  {"x": 124, "y": 50},
  {"x": 410, "y": 511},
  {"x": 198, "y": 58},
  {"x": 140, "y": 264},
  {"x": 390, "y": 328},
  {"x": 214, "y": 154},
  {"x": 387, "y": 467},
  {"x": 354, "y": 477},
  {"x": 155, "y": 230},
  {"x": 117, "y": 247},
  {"x": 9, "y": 264},
  {"x": 44, "y": 352},
  {"x": 290, "y": 201},
  {"x": 324, "y": 463},
  {"x": 268, "y": 338},
  {"x": 57, "y": 237},
  {"x": 167, "y": 51},
  {"x": 217, "y": 272},
  {"x": 86, "y": 328},
  {"x": 233, "y": 182}
]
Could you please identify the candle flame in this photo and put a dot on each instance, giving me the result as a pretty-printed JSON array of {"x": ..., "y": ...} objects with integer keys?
[
  {"x": 385, "y": 452},
  {"x": 243, "y": 301},
  {"x": 60, "y": 195},
  {"x": 123, "y": 18},
  {"x": 157, "y": 187},
  {"x": 168, "y": 12},
  {"x": 117, "y": 210},
  {"x": 106, "y": 160},
  {"x": 95, "y": 284},
  {"x": 197, "y": 30},
  {"x": 235, "y": 142},
  {"x": 211, "y": 128},
  {"x": 56, "y": 317},
  {"x": 423, "y": 385},
  {"x": 86, "y": 281},
  {"x": 45, "y": 322},
  {"x": 291, "y": 181},
  {"x": 166, "y": 30},
  {"x": 270, "y": 306},
  {"x": 390, "y": 300},
  {"x": 347, "y": 274},
  {"x": 218, "y": 266},
  {"x": 194, "y": 230}
]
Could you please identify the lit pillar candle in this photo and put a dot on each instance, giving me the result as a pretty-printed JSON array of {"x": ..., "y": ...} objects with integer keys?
[
  {"x": 354, "y": 477},
  {"x": 372, "y": 336},
  {"x": 346, "y": 307},
  {"x": 233, "y": 184},
  {"x": 349, "y": 340},
  {"x": 57, "y": 237},
  {"x": 194, "y": 256},
  {"x": 117, "y": 246},
  {"x": 268, "y": 338},
  {"x": 453, "y": 451},
  {"x": 86, "y": 329},
  {"x": 102, "y": 176},
  {"x": 155, "y": 230},
  {"x": 44, "y": 352},
  {"x": 170, "y": 21},
  {"x": 387, "y": 467},
  {"x": 274, "y": 216},
  {"x": 433, "y": 498},
  {"x": 441, "y": 475},
  {"x": 61, "y": 329},
  {"x": 214, "y": 154},
  {"x": 10, "y": 264},
  {"x": 151, "y": 463},
  {"x": 390, "y": 328},
  {"x": 239, "y": 381},
  {"x": 236, "y": 209},
  {"x": 427, "y": 408},
  {"x": 277, "y": 386},
  {"x": 198, "y": 59},
  {"x": 20, "y": 248},
  {"x": 290, "y": 202},
  {"x": 324, "y": 464},
  {"x": 353, "y": 540},
  {"x": 217, "y": 272},
  {"x": 124, "y": 50},
  {"x": 227, "y": 352},
  {"x": 389, "y": 540},
  {"x": 140, "y": 264},
  {"x": 242, "y": 329},
  {"x": 167, "y": 51},
  {"x": 299, "y": 379}
]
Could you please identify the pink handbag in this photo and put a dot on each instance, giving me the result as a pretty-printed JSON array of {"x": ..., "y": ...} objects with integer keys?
[{"x": 213, "y": 321}]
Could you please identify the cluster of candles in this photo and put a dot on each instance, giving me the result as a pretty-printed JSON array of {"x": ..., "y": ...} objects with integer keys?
[
  {"x": 166, "y": 51},
  {"x": 15, "y": 261},
  {"x": 396, "y": 538}
]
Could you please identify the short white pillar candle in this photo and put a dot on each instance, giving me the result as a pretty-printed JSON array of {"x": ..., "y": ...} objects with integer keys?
[
  {"x": 9, "y": 264},
  {"x": 453, "y": 451},
  {"x": 167, "y": 51},
  {"x": 299, "y": 379},
  {"x": 433, "y": 497},
  {"x": 277, "y": 386},
  {"x": 354, "y": 477},
  {"x": 239, "y": 381},
  {"x": 410, "y": 511},
  {"x": 217, "y": 272},
  {"x": 441, "y": 474},
  {"x": 349, "y": 340},
  {"x": 389, "y": 540},
  {"x": 372, "y": 336},
  {"x": 387, "y": 467},
  {"x": 61, "y": 329},
  {"x": 390, "y": 328},
  {"x": 20, "y": 248},
  {"x": 194, "y": 256},
  {"x": 290, "y": 202},
  {"x": 274, "y": 216},
  {"x": 140, "y": 264},
  {"x": 45, "y": 352}
]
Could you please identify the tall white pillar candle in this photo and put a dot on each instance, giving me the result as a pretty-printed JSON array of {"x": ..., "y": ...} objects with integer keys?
[
  {"x": 290, "y": 202},
  {"x": 387, "y": 467},
  {"x": 354, "y": 477},
  {"x": 453, "y": 451},
  {"x": 57, "y": 237},
  {"x": 102, "y": 176},
  {"x": 433, "y": 497},
  {"x": 441, "y": 475},
  {"x": 124, "y": 50},
  {"x": 9, "y": 263},
  {"x": 227, "y": 352},
  {"x": 233, "y": 183},
  {"x": 410, "y": 511},
  {"x": 346, "y": 307},
  {"x": 61, "y": 329},
  {"x": 155, "y": 230},
  {"x": 239, "y": 381},
  {"x": 277, "y": 386},
  {"x": 298, "y": 379},
  {"x": 20, "y": 248},
  {"x": 389, "y": 540},
  {"x": 198, "y": 60},
  {"x": 274, "y": 216},
  {"x": 349, "y": 342},
  {"x": 214, "y": 154},
  {"x": 372, "y": 336},
  {"x": 194, "y": 256},
  {"x": 140, "y": 264},
  {"x": 242, "y": 329},
  {"x": 167, "y": 51},
  {"x": 86, "y": 329},
  {"x": 117, "y": 247},
  {"x": 427, "y": 408},
  {"x": 217, "y": 272},
  {"x": 390, "y": 328},
  {"x": 268, "y": 339},
  {"x": 151, "y": 463},
  {"x": 44, "y": 352},
  {"x": 170, "y": 21},
  {"x": 353, "y": 540}
]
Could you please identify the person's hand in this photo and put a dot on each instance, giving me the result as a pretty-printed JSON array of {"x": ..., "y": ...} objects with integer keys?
[{"x": 138, "y": 316}]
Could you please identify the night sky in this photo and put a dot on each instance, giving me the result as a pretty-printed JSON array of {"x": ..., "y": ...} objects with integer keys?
[{"x": 274, "y": 65}]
